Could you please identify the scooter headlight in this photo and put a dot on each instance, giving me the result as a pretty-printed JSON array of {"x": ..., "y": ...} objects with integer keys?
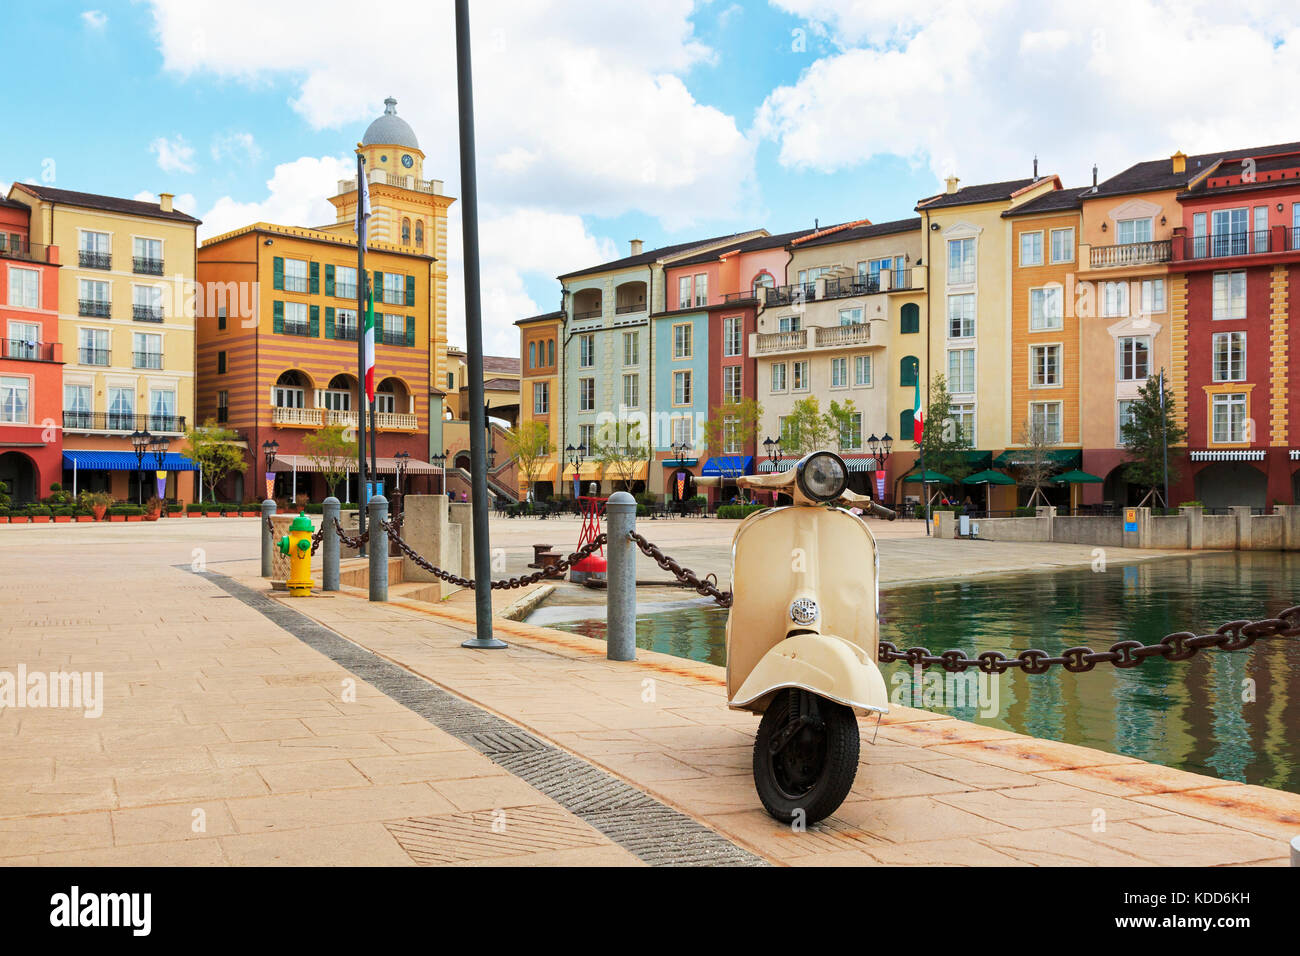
[{"x": 823, "y": 476}]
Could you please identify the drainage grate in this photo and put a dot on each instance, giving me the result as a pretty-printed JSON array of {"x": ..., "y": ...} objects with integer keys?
[
  {"x": 490, "y": 834},
  {"x": 653, "y": 831}
]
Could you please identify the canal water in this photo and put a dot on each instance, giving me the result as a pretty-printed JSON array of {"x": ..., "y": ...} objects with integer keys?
[{"x": 1190, "y": 715}]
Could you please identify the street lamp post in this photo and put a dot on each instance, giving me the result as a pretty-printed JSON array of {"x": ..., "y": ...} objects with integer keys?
[
  {"x": 880, "y": 449},
  {"x": 140, "y": 443},
  {"x": 441, "y": 462},
  {"x": 491, "y": 442},
  {"x": 773, "y": 449},
  {"x": 159, "y": 447},
  {"x": 269, "y": 450}
]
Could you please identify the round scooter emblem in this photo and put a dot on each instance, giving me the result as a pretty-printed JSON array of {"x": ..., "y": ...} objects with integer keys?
[{"x": 803, "y": 611}]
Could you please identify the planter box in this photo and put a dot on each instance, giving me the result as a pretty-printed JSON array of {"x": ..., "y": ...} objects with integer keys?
[
  {"x": 194, "y": 514},
  {"x": 117, "y": 517},
  {"x": 18, "y": 519},
  {"x": 135, "y": 517},
  {"x": 62, "y": 519},
  {"x": 249, "y": 514},
  {"x": 40, "y": 519},
  {"x": 85, "y": 518},
  {"x": 4, "y": 519}
]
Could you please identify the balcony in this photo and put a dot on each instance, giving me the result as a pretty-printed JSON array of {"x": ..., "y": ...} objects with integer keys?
[
  {"x": 852, "y": 285},
  {"x": 309, "y": 417},
  {"x": 89, "y": 259},
  {"x": 840, "y": 336},
  {"x": 396, "y": 421},
  {"x": 588, "y": 314},
  {"x": 733, "y": 298},
  {"x": 150, "y": 360},
  {"x": 122, "y": 422},
  {"x": 628, "y": 309},
  {"x": 147, "y": 313},
  {"x": 292, "y": 327},
  {"x": 769, "y": 342},
  {"x": 1130, "y": 254},
  {"x": 391, "y": 338},
  {"x": 1227, "y": 244},
  {"x": 379, "y": 177},
  {"x": 792, "y": 294},
  {"x": 95, "y": 308},
  {"x": 28, "y": 351},
  {"x": 146, "y": 267},
  {"x": 345, "y": 333},
  {"x": 16, "y": 247},
  {"x": 814, "y": 338},
  {"x": 93, "y": 356}
]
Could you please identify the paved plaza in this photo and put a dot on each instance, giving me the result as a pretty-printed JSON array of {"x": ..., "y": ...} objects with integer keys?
[{"x": 242, "y": 727}]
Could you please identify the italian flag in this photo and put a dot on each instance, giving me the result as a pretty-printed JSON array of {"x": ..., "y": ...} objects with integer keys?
[
  {"x": 370, "y": 346},
  {"x": 918, "y": 424}
]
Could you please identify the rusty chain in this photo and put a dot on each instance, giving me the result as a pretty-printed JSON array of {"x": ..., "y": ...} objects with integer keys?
[{"x": 708, "y": 585}]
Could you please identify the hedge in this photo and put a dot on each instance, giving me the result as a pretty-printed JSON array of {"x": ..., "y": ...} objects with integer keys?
[
  {"x": 125, "y": 510},
  {"x": 739, "y": 511}
]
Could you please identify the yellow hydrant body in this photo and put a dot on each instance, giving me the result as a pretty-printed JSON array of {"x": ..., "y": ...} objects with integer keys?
[{"x": 297, "y": 545}]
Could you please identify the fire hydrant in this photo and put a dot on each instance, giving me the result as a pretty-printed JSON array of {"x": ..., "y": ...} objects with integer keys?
[{"x": 297, "y": 545}]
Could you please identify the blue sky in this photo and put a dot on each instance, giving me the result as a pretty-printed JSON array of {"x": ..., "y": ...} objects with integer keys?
[{"x": 602, "y": 121}]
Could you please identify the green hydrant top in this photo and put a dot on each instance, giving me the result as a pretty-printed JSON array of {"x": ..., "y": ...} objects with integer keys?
[{"x": 301, "y": 523}]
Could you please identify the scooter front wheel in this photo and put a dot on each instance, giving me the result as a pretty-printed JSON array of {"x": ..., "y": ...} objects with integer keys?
[{"x": 805, "y": 756}]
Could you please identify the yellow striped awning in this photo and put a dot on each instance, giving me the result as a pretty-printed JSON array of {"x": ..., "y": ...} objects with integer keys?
[
  {"x": 590, "y": 471},
  {"x": 545, "y": 472}
]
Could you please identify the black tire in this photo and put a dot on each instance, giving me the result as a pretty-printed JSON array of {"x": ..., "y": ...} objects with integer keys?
[{"x": 814, "y": 772}]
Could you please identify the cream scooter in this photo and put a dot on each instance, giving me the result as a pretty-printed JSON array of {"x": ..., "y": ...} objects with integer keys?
[{"x": 802, "y": 635}]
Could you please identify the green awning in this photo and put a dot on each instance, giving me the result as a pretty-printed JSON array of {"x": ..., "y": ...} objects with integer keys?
[
  {"x": 1077, "y": 478},
  {"x": 977, "y": 459},
  {"x": 1018, "y": 457},
  {"x": 988, "y": 477},
  {"x": 929, "y": 477}
]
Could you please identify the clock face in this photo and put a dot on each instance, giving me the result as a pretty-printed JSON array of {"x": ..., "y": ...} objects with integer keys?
[{"x": 407, "y": 161}]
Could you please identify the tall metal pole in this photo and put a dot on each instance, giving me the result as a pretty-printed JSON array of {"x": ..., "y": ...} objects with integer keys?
[
  {"x": 1164, "y": 436},
  {"x": 361, "y": 365},
  {"x": 473, "y": 339}
]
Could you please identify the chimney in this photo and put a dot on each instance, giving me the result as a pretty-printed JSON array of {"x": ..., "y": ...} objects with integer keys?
[
  {"x": 952, "y": 182},
  {"x": 165, "y": 201},
  {"x": 1035, "y": 166},
  {"x": 1179, "y": 160},
  {"x": 1094, "y": 175},
  {"x": 635, "y": 245}
]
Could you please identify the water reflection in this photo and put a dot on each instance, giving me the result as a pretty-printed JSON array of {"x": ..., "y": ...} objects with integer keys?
[{"x": 1188, "y": 715}]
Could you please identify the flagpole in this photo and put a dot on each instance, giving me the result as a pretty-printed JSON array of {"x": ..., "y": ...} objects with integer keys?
[
  {"x": 361, "y": 351},
  {"x": 473, "y": 339}
]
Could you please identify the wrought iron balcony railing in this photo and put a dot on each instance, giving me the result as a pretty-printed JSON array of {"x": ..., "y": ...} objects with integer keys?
[
  {"x": 147, "y": 313},
  {"x": 89, "y": 259},
  {"x": 122, "y": 422},
  {"x": 146, "y": 266},
  {"x": 97, "y": 308},
  {"x": 152, "y": 360},
  {"x": 27, "y": 351},
  {"x": 93, "y": 356}
]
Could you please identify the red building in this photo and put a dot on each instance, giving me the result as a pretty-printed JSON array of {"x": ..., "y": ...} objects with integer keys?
[
  {"x": 1237, "y": 252},
  {"x": 31, "y": 360}
]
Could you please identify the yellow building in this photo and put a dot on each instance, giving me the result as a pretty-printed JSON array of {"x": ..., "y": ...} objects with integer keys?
[
  {"x": 539, "y": 338},
  {"x": 407, "y": 210},
  {"x": 126, "y": 323}
]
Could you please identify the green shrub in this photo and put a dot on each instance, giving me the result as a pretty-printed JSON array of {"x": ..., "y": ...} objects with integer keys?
[
  {"x": 739, "y": 511},
  {"x": 643, "y": 511},
  {"x": 125, "y": 509},
  {"x": 1026, "y": 512},
  {"x": 42, "y": 509},
  {"x": 174, "y": 508},
  {"x": 1191, "y": 504},
  {"x": 313, "y": 508},
  {"x": 194, "y": 507},
  {"x": 646, "y": 498},
  {"x": 348, "y": 506}
]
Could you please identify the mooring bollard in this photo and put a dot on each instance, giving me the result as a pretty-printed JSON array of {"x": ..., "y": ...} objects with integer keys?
[
  {"x": 330, "y": 544},
  {"x": 268, "y": 509},
  {"x": 620, "y": 578},
  {"x": 376, "y": 513}
]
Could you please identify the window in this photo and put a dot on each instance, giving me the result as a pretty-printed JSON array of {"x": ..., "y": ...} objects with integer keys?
[
  {"x": 76, "y": 406},
  {"x": 910, "y": 319},
  {"x": 631, "y": 391},
  {"x": 682, "y": 387},
  {"x": 631, "y": 348},
  {"x": 24, "y": 287},
  {"x": 221, "y": 317},
  {"x": 385, "y": 403},
  {"x": 800, "y": 375},
  {"x": 14, "y": 397},
  {"x": 146, "y": 256},
  {"x": 406, "y": 231},
  {"x": 121, "y": 409},
  {"x": 24, "y": 340},
  {"x": 221, "y": 362},
  {"x": 681, "y": 341},
  {"x": 851, "y": 316},
  {"x": 1229, "y": 418},
  {"x": 541, "y": 398},
  {"x": 839, "y": 373},
  {"x": 961, "y": 316},
  {"x": 1230, "y": 356},
  {"x": 684, "y": 292},
  {"x": 338, "y": 399},
  {"x": 961, "y": 261},
  {"x": 345, "y": 282},
  {"x": 909, "y": 370},
  {"x": 1228, "y": 231},
  {"x": 162, "y": 409},
  {"x": 1128, "y": 231},
  {"x": 862, "y": 370},
  {"x": 93, "y": 298},
  {"x": 786, "y": 430},
  {"x": 586, "y": 351},
  {"x": 1259, "y": 241},
  {"x": 731, "y": 383},
  {"x": 93, "y": 346},
  {"x": 93, "y": 251},
  {"x": 683, "y": 431},
  {"x": 1230, "y": 295},
  {"x": 587, "y": 437},
  {"x": 550, "y": 352},
  {"x": 1153, "y": 296},
  {"x": 702, "y": 289},
  {"x": 288, "y": 396},
  {"x": 1045, "y": 421},
  {"x": 394, "y": 329},
  {"x": 223, "y": 405},
  {"x": 961, "y": 371},
  {"x": 789, "y": 323},
  {"x": 1123, "y": 415},
  {"x": 295, "y": 318},
  {"x": 1114, "y": 299},
  {"x": 394, "y": 288},
  {"x": 1063, "y": 245},
  {"x": 1031, "y": 249},
  {"x": 763, "y": 280},
  {"x": 345, "y": 324},
  {"x": 778, "y": 376},
  {"x": 1046, "y": 309},
  {"x": 147, "y": 350},
  {"x": 295, "y": 275},
  {"x": 1134, "y": 358},
  {"x": 532, "y": 355},
  {"x": 419, "y": 232},
  {"x": 146, "y": 303},
  {"x": 851, "y": 432},
  {"x": 1045, "y": 365},
  {"x": 586, "y": 394},
  {"x": 731, "y": 332},
  {"x": 807, "y": 276},
  {"x": 963, "y": 421},
  {"x": 731, "y": 436}
]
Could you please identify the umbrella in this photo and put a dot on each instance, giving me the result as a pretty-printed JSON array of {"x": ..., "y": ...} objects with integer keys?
[
  {"x": 1076, "y": 477},
  {"x": 929, "y": 477},
  {"x": 986, "y": 478}
]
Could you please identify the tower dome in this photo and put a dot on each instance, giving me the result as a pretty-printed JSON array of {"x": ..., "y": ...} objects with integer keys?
[{"x": 390, "y": 129}]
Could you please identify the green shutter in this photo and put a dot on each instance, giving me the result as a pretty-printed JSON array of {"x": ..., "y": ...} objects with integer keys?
[
  {"x": 278, "y": 311},
  {"x": 314, "y": 286},
  {"x": 911, "y": 316},
  {"x": 410, "y": 325},
  {"x": 908, "y": 370},
  {"x": 329, "y": 321},
  {"x": 329, "y": 280},
  {"x": 278, "y": 276},
  {"x": 906, "y": 424},
  {"x": 379, "y": 287},
  {"x": 410, "y": 292},
  {"x": 315, "y": 321}
]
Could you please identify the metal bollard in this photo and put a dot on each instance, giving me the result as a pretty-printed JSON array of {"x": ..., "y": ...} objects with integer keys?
[
  {"x": 620, "y": 593},
  {"x": 268, "y": 509},
  {"x": 376, "y": 512},
  {"x": 330, "y": 545}
]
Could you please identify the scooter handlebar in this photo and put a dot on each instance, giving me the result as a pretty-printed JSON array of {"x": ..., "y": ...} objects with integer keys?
[
  {"x": 714, "y": 481},
  {"x": 880, "y": 511}
]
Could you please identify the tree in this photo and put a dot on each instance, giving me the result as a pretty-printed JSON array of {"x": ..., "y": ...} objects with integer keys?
[
  {"x": 841, "y": 421},
  {"x": 620, "y": 459},
  {"x": 943, "y": 442},
  {"x": 530, "y": 443},
  {"x": 733, "y": 426},
  {"x": 213, "y": 446},
  {"x": 1035, "y": 462},
  {"x": 331, "y": 452},
  {"x": 806, "y": 428},
  {"x": 1149, "y": 430}
]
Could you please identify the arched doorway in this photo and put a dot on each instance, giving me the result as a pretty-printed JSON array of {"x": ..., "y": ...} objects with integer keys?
[
  {"x": 462, "y": 460},
  {"x": 1119, "y": 491},
  {"x": 1227, "y": 483},
  {"x": 19, "y": 473}
]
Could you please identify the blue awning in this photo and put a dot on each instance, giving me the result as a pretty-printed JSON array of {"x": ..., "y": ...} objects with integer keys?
[
  {"x": 125, "y": 461},
  {"x": 680, "y": 462},
  {"x": 728, "y": 466}
]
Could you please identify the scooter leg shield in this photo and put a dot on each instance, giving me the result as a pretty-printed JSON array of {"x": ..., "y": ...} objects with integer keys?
[{"x": 828, "y": 666}]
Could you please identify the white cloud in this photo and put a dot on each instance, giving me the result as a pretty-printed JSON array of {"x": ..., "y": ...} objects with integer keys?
[
  {"x": 94, "y": 19},
  {"x": 174, "y": 155},
  {"x": 239, "y": 146},
  {"x": 979, "y": 90},
  {"x": 297, "y": 195}
]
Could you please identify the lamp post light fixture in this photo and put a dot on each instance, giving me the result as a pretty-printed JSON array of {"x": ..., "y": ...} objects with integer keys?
[
  {"x": 401, "y": 458},
  {"x": 773, "y": 449},
  {"x": 158, "y": 446},
  {"x": 491, "y": 442},
  {"x": 269, "y": 451},
  {"x": 140, "y": 443},
  {"x": 441, "y": 462}
]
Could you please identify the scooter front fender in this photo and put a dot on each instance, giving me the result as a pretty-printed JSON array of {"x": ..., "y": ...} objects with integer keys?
[{"x": 826, "y": 665}]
